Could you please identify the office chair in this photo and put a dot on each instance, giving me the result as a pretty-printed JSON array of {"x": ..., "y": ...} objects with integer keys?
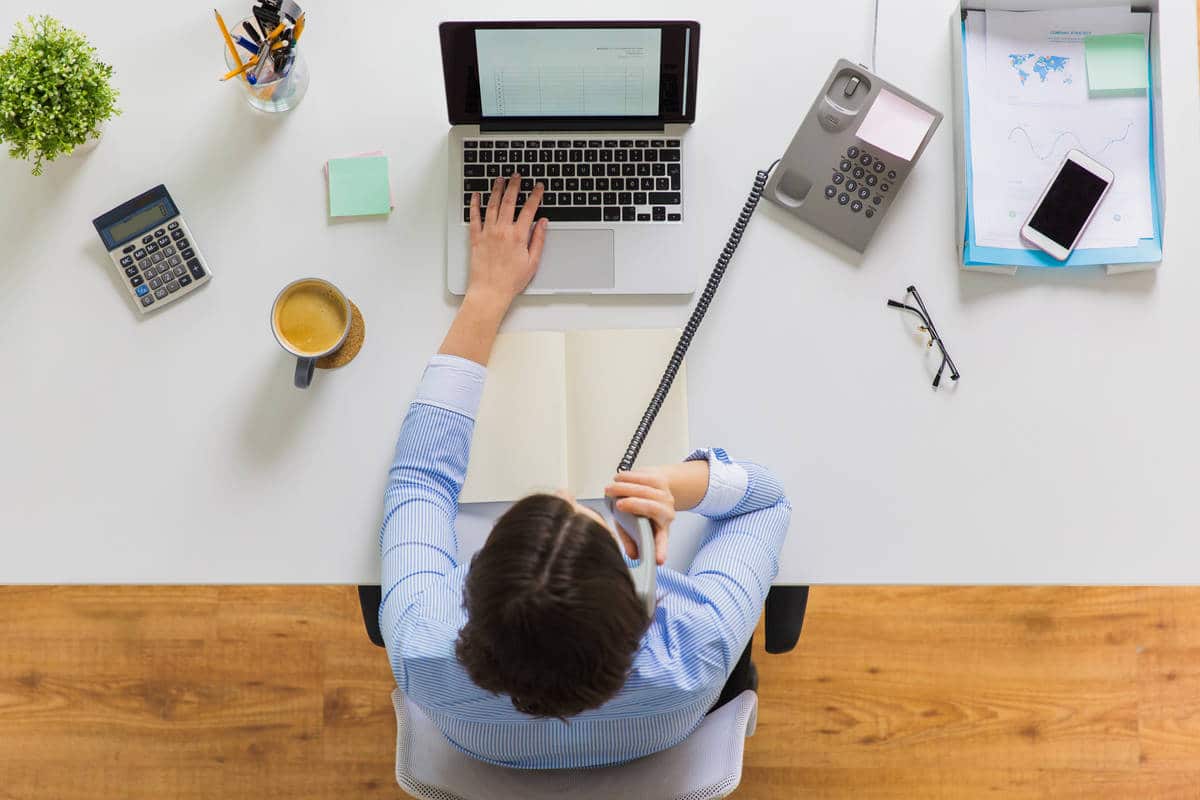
[{"x": 708, "y": 764}]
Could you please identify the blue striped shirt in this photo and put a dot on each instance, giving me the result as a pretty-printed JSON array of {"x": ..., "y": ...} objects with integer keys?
[{"x": 703, "y": 621}]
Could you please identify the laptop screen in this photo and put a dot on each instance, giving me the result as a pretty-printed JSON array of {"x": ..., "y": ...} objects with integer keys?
[{"x": 570, "y": 74}]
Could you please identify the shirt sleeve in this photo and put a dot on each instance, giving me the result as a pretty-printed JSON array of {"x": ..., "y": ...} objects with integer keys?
[
  {"x": 739, "y": 556},
  {"x": 417, "y": 542}
]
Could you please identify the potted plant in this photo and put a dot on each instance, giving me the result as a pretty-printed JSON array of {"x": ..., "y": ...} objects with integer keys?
[{"x": 54, "y": 92}]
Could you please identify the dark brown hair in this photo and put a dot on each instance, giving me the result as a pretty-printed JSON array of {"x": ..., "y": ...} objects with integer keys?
[{"x": 553, "y": 620}]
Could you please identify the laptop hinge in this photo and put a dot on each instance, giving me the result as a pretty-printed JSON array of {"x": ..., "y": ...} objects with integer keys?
[{"x": 495, "y": 125}]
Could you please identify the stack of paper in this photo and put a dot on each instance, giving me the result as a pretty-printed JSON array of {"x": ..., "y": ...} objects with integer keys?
[
  {"x": 359, "y": 185},
  {"x": 1028, "y": 104}
]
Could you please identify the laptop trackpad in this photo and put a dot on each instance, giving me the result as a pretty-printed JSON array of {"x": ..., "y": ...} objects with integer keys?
[{"x": 580, "y": 260}]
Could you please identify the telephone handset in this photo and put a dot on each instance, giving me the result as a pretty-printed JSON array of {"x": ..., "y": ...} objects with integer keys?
[{"x": 644, "y": 572}]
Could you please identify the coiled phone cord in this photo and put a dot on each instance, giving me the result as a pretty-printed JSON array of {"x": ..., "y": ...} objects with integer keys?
[{"x": 693, "y": 323}]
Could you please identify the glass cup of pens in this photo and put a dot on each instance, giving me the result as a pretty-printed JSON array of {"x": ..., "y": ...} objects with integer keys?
[{"x": 273, "y": 73}]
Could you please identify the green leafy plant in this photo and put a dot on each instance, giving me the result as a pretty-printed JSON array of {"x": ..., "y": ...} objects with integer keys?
[{"x": 54, "y": 92}]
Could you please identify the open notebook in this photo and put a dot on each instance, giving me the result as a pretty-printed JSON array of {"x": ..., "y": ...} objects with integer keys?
[{"x": 559, "y": 407}]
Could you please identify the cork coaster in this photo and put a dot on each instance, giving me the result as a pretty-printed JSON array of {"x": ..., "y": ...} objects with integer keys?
[{"x": 349, "y": 349}]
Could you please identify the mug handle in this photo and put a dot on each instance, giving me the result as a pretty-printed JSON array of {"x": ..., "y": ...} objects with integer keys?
[{"x": 304, "y": 372}]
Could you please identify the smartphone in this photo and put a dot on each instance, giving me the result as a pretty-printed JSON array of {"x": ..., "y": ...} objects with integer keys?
[{"x": 1067, "y": 204}]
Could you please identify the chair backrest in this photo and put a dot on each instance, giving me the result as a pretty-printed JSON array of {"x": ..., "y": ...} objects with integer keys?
[{"x": 708, "y": 764}]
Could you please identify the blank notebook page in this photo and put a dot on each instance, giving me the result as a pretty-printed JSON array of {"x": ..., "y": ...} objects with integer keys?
[
  {"x": 611, "y": 376},
  {"x": 520, "y": 441}
]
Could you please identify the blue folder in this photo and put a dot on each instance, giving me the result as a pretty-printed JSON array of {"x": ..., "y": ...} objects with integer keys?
[{"x": 1146, "y": 250}]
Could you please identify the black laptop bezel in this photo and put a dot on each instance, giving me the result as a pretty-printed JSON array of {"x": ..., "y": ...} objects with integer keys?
[{"x": 460, "y": 70}]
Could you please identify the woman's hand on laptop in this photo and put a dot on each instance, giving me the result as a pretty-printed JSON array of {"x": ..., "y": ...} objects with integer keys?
[
  {"x": 505, "y": 250},
  {"x": 505, "y": 246}
]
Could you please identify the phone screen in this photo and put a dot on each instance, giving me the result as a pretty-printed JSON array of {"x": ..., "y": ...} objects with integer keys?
[{"x": 1068, "y": 204}]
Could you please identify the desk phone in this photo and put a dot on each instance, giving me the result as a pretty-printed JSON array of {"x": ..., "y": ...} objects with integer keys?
[
  {"x": 153, "y": 249},
  {"x": 853, "y": 151}
]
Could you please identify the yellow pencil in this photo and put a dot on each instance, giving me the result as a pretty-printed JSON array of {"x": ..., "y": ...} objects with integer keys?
[
  {"x": 271, "y": 36},
  {"x": 242, "y": 69},
  {"x": 228, "y": 40},
  {"x": 299, "y": 29}
]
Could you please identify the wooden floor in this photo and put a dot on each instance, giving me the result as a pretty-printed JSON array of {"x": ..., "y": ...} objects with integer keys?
[{"x": 893, "y": 693}]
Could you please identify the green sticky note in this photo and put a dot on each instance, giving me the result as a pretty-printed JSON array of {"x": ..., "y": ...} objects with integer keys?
[
  {"x": 1116, "y": 64},
  {"x": 359, "y": 186}
]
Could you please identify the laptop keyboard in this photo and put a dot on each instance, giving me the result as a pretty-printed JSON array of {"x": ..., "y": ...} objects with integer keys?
[{"x": 586, "y": 180}]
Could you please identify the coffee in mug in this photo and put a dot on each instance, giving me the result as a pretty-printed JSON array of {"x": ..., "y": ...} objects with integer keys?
[{"x": 310, "y": 319}]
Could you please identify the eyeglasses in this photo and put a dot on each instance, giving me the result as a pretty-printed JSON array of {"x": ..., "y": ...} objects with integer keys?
[{"x": 929, "y": 330}]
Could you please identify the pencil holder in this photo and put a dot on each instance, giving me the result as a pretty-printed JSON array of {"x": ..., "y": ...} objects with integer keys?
[{"x": 278, "y": 94}]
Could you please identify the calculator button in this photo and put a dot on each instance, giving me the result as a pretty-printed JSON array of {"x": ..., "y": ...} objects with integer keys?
[
  {"x": 856, "y": 206},
  {"x": 130, "y": 248},
  {"x": 197, "y": 270},
  {"x": 187, "y": 253},
  {"x": 182, "y": 244},
  {"x": 141, "y": 253},
  {"x": 147, "y": 239},
  {"x": 851, "y": 186},
  {"x": 174, "y": 261},
  {"x": 127, "y": 261},
  {"x": 156, "y": 257},
  {"x": 871, "y": 180},
  {"x": 838, "y": 178},
  {"x": 859, "y": 172},
  {"x": 844, "y": 165},
  {"x": 184, "y": 280},
  {"x": 142, "y": 291},
  {"x": 176, "y": 234},
  {"x": 865, "y": 160},
  {"x": 155, "y": 283},
  {"x": 173, "y": 226},
  {"x": 131, "y": 271},
  {"x": 136, "y": 280},
  {"x": 168, "y": 251},
  {"x": 152, "y": 248},
  {"x": 179, "y": 271},
  {"x": 843, "y": 198},
  {"x": 879, "y": 166},
  {"x": 163, "y": 241},
  {"x": 147, "y": 300},
  {"x": 891, "y": 174},
  {"x": 852, "y": 152},
  {"x": 173, "y": 287},
  {"x": 145, "y": 263},
  {"x": 864, "y": 193},
  {"x": 160, "y": 232},
  {"x": 830, "y": 191},
  {"x": 160, "y": 293},
  {"x": 870, "y": 212}
]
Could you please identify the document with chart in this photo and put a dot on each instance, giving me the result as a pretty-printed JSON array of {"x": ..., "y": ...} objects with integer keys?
[
  {"x": 1029, "y": 106},
  {"x": 550, "y": 72}
]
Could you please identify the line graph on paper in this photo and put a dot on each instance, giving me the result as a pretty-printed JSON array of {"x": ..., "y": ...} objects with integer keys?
[
  {"x": 1059, "y": 142},
  {"x": 555, "y": 91}
]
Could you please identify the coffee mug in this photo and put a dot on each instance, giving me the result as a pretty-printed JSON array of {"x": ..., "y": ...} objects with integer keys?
[{"x": 310, "y": 319}]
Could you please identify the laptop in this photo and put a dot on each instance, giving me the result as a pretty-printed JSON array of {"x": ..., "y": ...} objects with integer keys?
[{"x": 597, "y": 111}]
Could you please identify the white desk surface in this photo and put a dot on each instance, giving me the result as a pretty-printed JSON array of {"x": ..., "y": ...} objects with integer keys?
[{"x": 174, "y": 448}]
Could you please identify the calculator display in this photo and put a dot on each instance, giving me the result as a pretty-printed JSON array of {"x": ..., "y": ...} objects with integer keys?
[{"x": 142, "y": 220}]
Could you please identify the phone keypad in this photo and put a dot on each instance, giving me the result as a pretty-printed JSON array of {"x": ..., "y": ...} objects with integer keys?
[{"x": 857, "y": 182}]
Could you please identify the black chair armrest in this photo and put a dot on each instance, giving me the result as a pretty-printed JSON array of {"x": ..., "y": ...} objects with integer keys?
[
  {"x": 785, "y": 617},
  {"x": 369, "y": 597}
]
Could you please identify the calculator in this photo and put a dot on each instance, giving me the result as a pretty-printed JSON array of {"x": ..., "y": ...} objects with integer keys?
[{"x": 153, "y": 249}]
